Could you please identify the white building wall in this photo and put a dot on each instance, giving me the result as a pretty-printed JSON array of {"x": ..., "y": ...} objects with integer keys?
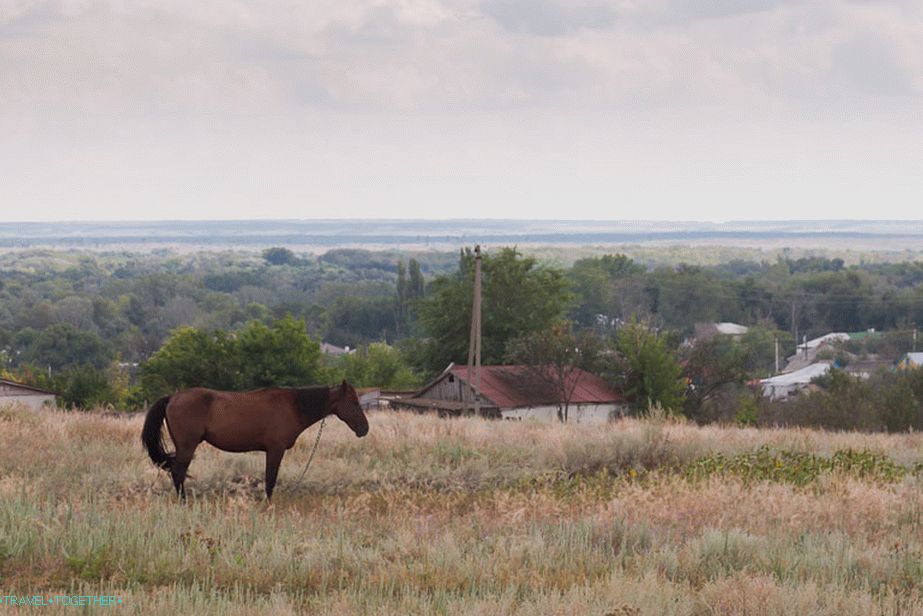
[
  {"x": 576, "y": 413},
  {"x": 33, "y": 401}
]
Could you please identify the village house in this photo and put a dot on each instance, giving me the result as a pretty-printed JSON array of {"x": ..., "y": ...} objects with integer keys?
[
  {"x": 331, "y": 349},
  {"x": 13, "y": 393},
  {"x": 786, "y": 385},
  {"x": 515, "y": 392},
  {"x": 707, "y": 331}
]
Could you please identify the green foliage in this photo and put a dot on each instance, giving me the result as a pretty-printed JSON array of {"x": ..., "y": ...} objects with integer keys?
[
  {"x": 191, "y": 358},
  {"x": 257, "y": 356},
  {"x": 409, "y": 290},
  {"x": 279, "y": 256},
  {"x": 606, "y": 288},
  {"x": 797, "y": 468},
  {"x": 887, "y": 401},
  {"x": 520, "y": 296},
  {"x": 647, "y": 369},
  {"x": 713, "y": 364},
  {"x": 747, "y": 412},
  {"x": 70, "y": 309},
  {"x": 61, "y": 347},
  {"x": 376, "y": 365},
  {"x": 282, "y": 354},
  {"x": 353, "y": 320}
]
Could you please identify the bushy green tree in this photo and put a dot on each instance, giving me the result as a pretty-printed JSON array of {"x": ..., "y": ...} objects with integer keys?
[
  {"x": 647, "y": 368},
  {"x": 278, "y": 255},
  {"x": 281, "y": 354},
  {"x": 258, "y": 355},
  {"x": 608, "y": 287},
  {"x": 191, "y": 358},
  {"x": 377, "y": 365},
  {"x": 519, "y": 296},
  {"x": 62, "y": 346}
]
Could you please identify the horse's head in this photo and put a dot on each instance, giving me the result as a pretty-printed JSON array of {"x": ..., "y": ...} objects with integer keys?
[{"x": 344, "y": 403}]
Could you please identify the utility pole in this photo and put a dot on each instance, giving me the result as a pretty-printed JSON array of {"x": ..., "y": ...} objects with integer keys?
[
  {"x": 914, "y": 338},
  {"x": 776, "y": 341},
  {"x": 474, "y": 342}
]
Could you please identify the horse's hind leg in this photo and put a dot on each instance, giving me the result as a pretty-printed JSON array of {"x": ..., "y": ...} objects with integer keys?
[
  {"x": 178, "y": 469},
  {"x": 273, "y": 460}
]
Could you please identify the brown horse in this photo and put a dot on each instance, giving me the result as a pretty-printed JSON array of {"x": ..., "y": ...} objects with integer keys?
[{"x": 268, "y": 419}]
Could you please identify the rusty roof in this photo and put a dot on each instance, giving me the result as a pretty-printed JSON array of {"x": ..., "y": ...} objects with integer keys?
[{"x": 518, "y": 386}]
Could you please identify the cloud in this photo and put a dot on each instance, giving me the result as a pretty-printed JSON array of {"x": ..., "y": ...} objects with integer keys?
[
  {"x": 430, "y": 55},
  {"x": 550, "y": 17},
  {"x": 347, "y": 101}
]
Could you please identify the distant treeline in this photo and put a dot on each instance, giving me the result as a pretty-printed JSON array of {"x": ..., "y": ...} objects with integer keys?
[{"x": 66, "y": 311}]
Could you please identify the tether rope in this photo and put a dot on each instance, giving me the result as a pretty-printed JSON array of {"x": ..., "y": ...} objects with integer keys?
[{"x": 313, "y": 451}]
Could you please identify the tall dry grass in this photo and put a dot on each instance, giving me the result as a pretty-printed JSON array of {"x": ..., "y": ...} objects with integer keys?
[{"x": 460, "y": 516}]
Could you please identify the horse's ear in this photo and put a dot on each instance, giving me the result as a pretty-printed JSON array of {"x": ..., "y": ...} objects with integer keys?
[{"x": 343, "y": 386}]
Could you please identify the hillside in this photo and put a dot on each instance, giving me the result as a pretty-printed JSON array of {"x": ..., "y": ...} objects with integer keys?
[{"x": 471, "y": 517}]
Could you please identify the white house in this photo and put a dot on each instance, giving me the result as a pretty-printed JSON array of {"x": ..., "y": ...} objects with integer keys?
[
  {"x": 13, "y": 393},
  {"x": 911, "y": 360},
  {"x": 782, "y": 386},
  {"x": 332, "y": 349},
  {"x": 706, "y": 331}
]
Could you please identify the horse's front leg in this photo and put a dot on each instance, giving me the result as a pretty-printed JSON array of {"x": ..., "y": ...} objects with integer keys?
[{"x": 273, "y": 460}]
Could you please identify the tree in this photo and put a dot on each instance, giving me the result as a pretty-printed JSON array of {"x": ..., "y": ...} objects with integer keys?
[
  {"x": 258, "y": 355},
  {"x": 282, "y": 354},
  {"x": 710, "y": 365},
  {"x": 278, "y": 255},
  {"x": 415, "y": 283},
  {"x": 520, "y": 297},
  {"x": 354, "y": 320},
  {"x": 607, "y": 288},
  {"x": 647, "y": 369},
  {"x": 377, "y": 365},
  {"x": 190, "y": 358},
  {"x": 409, "y": 289},
  {"x": 402, "y": 292},
  {"x": 62, "y": 346},
  {"x": 83, "y": 387},
  {"x": 555, "y": 358}
]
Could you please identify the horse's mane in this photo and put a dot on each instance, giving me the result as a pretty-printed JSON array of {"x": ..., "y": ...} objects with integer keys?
[{"x": 312, "y": 399}]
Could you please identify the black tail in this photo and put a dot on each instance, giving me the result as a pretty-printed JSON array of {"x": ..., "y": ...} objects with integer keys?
[{"x": 152, "y": 437}]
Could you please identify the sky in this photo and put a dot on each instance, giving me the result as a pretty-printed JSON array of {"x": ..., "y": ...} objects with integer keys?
[{"x": 525, "y": 109}]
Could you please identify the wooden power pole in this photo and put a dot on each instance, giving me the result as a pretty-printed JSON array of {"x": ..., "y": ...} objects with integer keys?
[{"x": 474, "y": 343}]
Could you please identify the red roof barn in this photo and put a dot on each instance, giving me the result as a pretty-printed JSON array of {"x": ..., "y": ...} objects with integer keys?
[{"x": 516, "y": 392}]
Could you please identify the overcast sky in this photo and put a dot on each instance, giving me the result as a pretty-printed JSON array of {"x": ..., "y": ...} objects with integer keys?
[{"x": 576, "y": 109}]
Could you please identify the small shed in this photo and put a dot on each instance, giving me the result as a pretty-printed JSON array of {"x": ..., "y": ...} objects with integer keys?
[
  {"x": 516, "y": 392},
  {"x": 13, "y": 393}
]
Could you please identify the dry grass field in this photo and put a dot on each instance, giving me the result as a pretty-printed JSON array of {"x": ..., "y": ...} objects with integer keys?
[{"x": 431, "y": 516}]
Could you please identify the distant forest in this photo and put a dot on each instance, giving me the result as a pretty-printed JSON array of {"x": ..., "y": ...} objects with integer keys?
[{"x": 63, "y": 311}]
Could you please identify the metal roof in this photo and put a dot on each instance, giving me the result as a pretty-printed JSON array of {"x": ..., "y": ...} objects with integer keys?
[
  {"x": 517, "y": 386},
  {"x": 799, "y": 377},
  {"x": 731, "y": 329}
]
